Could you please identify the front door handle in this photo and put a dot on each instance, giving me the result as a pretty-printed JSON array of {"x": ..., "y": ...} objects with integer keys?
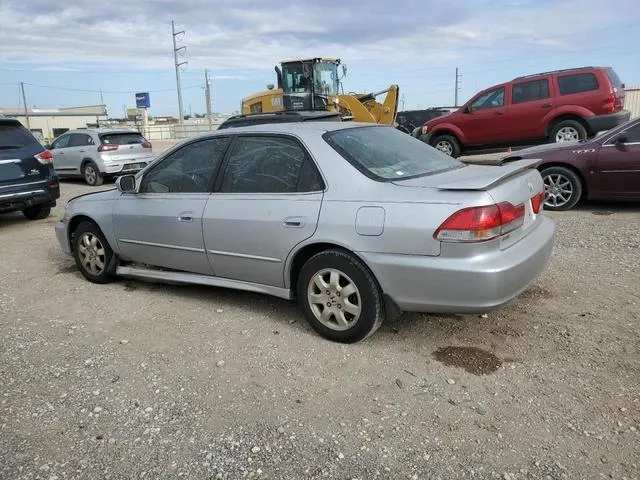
[
  {"x": 546, "y": 105},
  {"x": 185, "y": 217},
  {"x": 294, "y": 222},
  {"x": 497, "y": 114}
]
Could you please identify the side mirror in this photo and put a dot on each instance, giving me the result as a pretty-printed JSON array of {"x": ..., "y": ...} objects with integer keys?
[
  {"x": 467, "y": 109},
  {"x": 126, "y": 184},
  {"x": 620, "y": 139}
]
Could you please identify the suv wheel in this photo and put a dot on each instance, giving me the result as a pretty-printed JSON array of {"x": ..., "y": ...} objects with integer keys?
[
  {"x": 92, "y": 253},
  {"x": 563, "y": 188},
  {"x": 340, "y": 297},
  {"x": 92, "y": 174},
  {"x": 568, "y": 131},
  {"x": 37, "y": 212},
  {"x": 447, "y": 144}
]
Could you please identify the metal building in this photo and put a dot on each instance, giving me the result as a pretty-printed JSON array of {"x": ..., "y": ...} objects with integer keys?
[
  {"x": 48, "y": 123},
  {"x": 632, "y": 101}
]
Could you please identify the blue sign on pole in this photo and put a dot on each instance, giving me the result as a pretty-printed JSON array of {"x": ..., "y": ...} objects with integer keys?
[{"x": 142, "y": 100}]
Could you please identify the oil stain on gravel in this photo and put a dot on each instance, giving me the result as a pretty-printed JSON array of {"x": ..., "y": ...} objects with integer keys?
[{"x": 472, "y": 359}]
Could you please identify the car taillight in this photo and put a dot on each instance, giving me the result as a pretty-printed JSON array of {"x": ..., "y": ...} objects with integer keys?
[
  {"x": 45, "y": 157},
  {"x": 479, "y": 224},
  {"x": 537, "y": 202},
  {"x": 146, "y": 144},
  {"x": 107, "y": 147}
]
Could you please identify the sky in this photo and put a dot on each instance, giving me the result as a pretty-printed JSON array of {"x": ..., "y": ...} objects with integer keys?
[{"x": 66, "y": 53}]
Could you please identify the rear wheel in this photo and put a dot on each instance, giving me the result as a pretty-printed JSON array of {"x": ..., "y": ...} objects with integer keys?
[
  {"x": 92, "y": 253},
  {"x": 563, "y": 188},
  {"x": 340, "y": 297},
  {"x": 568, "y": 131},
  {"x": 92, "y": 174},
  {"x": 447, "y": 144},
  {"x": 37, "y": 212}
]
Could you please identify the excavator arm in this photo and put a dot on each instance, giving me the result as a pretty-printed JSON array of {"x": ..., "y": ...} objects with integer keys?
[{"x": 365, "y": 108}]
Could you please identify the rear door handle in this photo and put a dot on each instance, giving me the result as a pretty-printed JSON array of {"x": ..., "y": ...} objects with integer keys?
[
  {"x": 546, "y": 105},
  {"x": 294, "y": 222},
  {"x": 497, "y": 114}
]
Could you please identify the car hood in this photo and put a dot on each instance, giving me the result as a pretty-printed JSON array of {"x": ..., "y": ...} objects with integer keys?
[{"x": 98, "y": 196}]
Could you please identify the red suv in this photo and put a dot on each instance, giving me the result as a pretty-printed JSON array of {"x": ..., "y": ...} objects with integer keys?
[{"x": 556, "y": 106}]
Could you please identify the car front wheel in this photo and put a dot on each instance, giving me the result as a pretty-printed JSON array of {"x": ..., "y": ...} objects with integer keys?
[
  {"x": 92, "y": 253},
  {"x": 340, "y": 297},
  {"x": 563, "y": 188}
]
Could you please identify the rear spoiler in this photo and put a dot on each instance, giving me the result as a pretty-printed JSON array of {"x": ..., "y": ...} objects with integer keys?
[{"x": 488, "y": 176}]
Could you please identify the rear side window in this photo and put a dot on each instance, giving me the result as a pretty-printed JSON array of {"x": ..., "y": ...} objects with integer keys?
[
  {"x": 530, "y": 91},
  {"x": 15, "y": 136},
  {"x": 614, "y": 78},
  {"x": 266, "y": 164},
  {"x": 121, "y": 138},
  {"x": 386, "y": 153},
  {"x": 580, "y": 82},
  {"x": 80, "y": 140}
]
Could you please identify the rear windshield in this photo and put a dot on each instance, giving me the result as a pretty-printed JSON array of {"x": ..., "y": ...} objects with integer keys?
[
  {"x": 121, "y": 138},
  {"x": 386, "y": 153},
  {"x": 15, "y": 136},
  {"x": 613, "y": 76}
]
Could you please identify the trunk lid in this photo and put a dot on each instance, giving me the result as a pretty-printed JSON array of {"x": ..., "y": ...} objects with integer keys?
[
  {"x": 18, "y": 148},
  {"x": 516, "y": 182},
  {"x": 128, "y": 146}
]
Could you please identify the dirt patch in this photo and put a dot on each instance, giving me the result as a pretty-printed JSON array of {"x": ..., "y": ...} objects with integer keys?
[
  {"x": 536, "y": 291},
  {"x": 472, "y": 359},
  {"x": 507, "y": 331},
  {"x": 67, "y": 269},
  {"x": 603, "y": 212}
]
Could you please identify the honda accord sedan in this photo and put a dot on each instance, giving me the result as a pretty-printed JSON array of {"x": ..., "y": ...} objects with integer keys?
[{"x": 357, "y": 222}]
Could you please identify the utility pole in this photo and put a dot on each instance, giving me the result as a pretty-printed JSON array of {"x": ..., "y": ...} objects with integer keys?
[
  {"x": 26, "y": 110},
  {"x": 177, "y": 66},
  {"x": 207, "y": 94},
  {"x": 457, "y": 87}
]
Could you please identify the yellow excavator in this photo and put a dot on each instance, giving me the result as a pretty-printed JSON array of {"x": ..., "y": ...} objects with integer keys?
[{"x": 314, "y": 84}]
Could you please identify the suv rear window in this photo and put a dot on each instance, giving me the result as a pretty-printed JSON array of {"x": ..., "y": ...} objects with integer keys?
[
  {"x": 614, "y": 78},
  {"x": 121, "y": 138},
  {"x": 15, "y": 136},
  {"x": 386, "y": 154},
  {"x": 577, "y": 83}
]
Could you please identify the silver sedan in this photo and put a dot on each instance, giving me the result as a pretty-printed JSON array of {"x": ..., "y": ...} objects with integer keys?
[{"x": 358, "y": 222}]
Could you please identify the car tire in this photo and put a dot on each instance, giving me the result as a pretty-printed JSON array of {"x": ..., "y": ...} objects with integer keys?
[
  {"x": 92, "y": 175},
  {"x": 447, "y": 144},
  {"x": 37, "y": 212},
  {"x": 568, "y": 130},
  {"x": 563, "y": 188},
  {"x": 92, "y": 253},
  {"x": 336, "y": 317}
]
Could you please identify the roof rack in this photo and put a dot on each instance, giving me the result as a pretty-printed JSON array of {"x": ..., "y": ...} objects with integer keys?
[{"x": 551, "y": 71}]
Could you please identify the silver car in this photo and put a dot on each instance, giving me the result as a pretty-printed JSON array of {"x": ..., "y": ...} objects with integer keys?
[
  {"x": 358, "y": 222},
  {"x": 97, "y": 153}
]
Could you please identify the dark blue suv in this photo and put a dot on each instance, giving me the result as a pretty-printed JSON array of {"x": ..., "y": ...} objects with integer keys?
[{"x": 28, "y": 182}]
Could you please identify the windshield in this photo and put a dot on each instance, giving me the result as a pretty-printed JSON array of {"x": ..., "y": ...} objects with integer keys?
[
  {"x": 326, "y": 78},
  {"x": 386, "y": 153}
]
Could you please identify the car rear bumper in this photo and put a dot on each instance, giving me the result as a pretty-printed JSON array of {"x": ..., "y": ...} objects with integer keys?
[
  {"x": 464, "y": 285},
  {"x": 601, "y": 123},
  {"x": 128, "y": 166},
  {"x": 19, "y": 197}
]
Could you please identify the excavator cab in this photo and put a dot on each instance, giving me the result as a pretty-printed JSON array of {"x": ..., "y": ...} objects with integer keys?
[{"x": 309, "y": 84}]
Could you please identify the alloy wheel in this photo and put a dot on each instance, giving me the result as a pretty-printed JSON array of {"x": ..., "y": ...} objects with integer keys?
[
  {"x": 92, "y": 254},
  {"x": 334, "y": 299},
  {"x": 559, "y": 190},
  {"x": 445, "y": 147},
  {"x": 567, "y": 134}
]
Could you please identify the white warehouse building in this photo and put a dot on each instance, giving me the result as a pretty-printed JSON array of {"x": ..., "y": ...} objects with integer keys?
[{"x": 48, "y": 123}]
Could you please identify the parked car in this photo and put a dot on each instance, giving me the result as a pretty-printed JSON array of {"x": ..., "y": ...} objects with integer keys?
[
  {"x": 558, "y": 106},
  {"x": 98, "y": 153},
  {"x": 358, "y": 221},
  {"x": 606, "y": 167},
  {"x": 28, "y": 182},
  {"x": 280, "y": 117},
  {"x": 409, "y": 120}
]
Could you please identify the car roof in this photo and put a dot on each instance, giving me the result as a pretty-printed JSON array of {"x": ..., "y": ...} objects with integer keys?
[
  {"x": 297, "y": 127},
  {"x": 102, "y": 130}
]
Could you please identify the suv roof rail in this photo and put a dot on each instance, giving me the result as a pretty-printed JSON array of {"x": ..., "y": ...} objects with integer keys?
[{"x": 552, "y": 71}]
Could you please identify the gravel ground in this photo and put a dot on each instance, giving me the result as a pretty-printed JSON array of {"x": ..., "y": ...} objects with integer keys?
[{"x": 138, "y": 380}]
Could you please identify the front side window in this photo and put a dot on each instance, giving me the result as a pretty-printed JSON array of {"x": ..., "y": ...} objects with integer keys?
[
  {"x": 633, "y": 134},
  {"x": 61, "y": 142},
  {"x": 297, "y": 78},
  {"x": 386, "y": 154},
  {"x": 577, "y": 83},
  {"x": 188, "y": 170},
  {"x": 491, "y": 99},
  {"x": 530, "y": 91},
  {"x": 265, "y": 164}
]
